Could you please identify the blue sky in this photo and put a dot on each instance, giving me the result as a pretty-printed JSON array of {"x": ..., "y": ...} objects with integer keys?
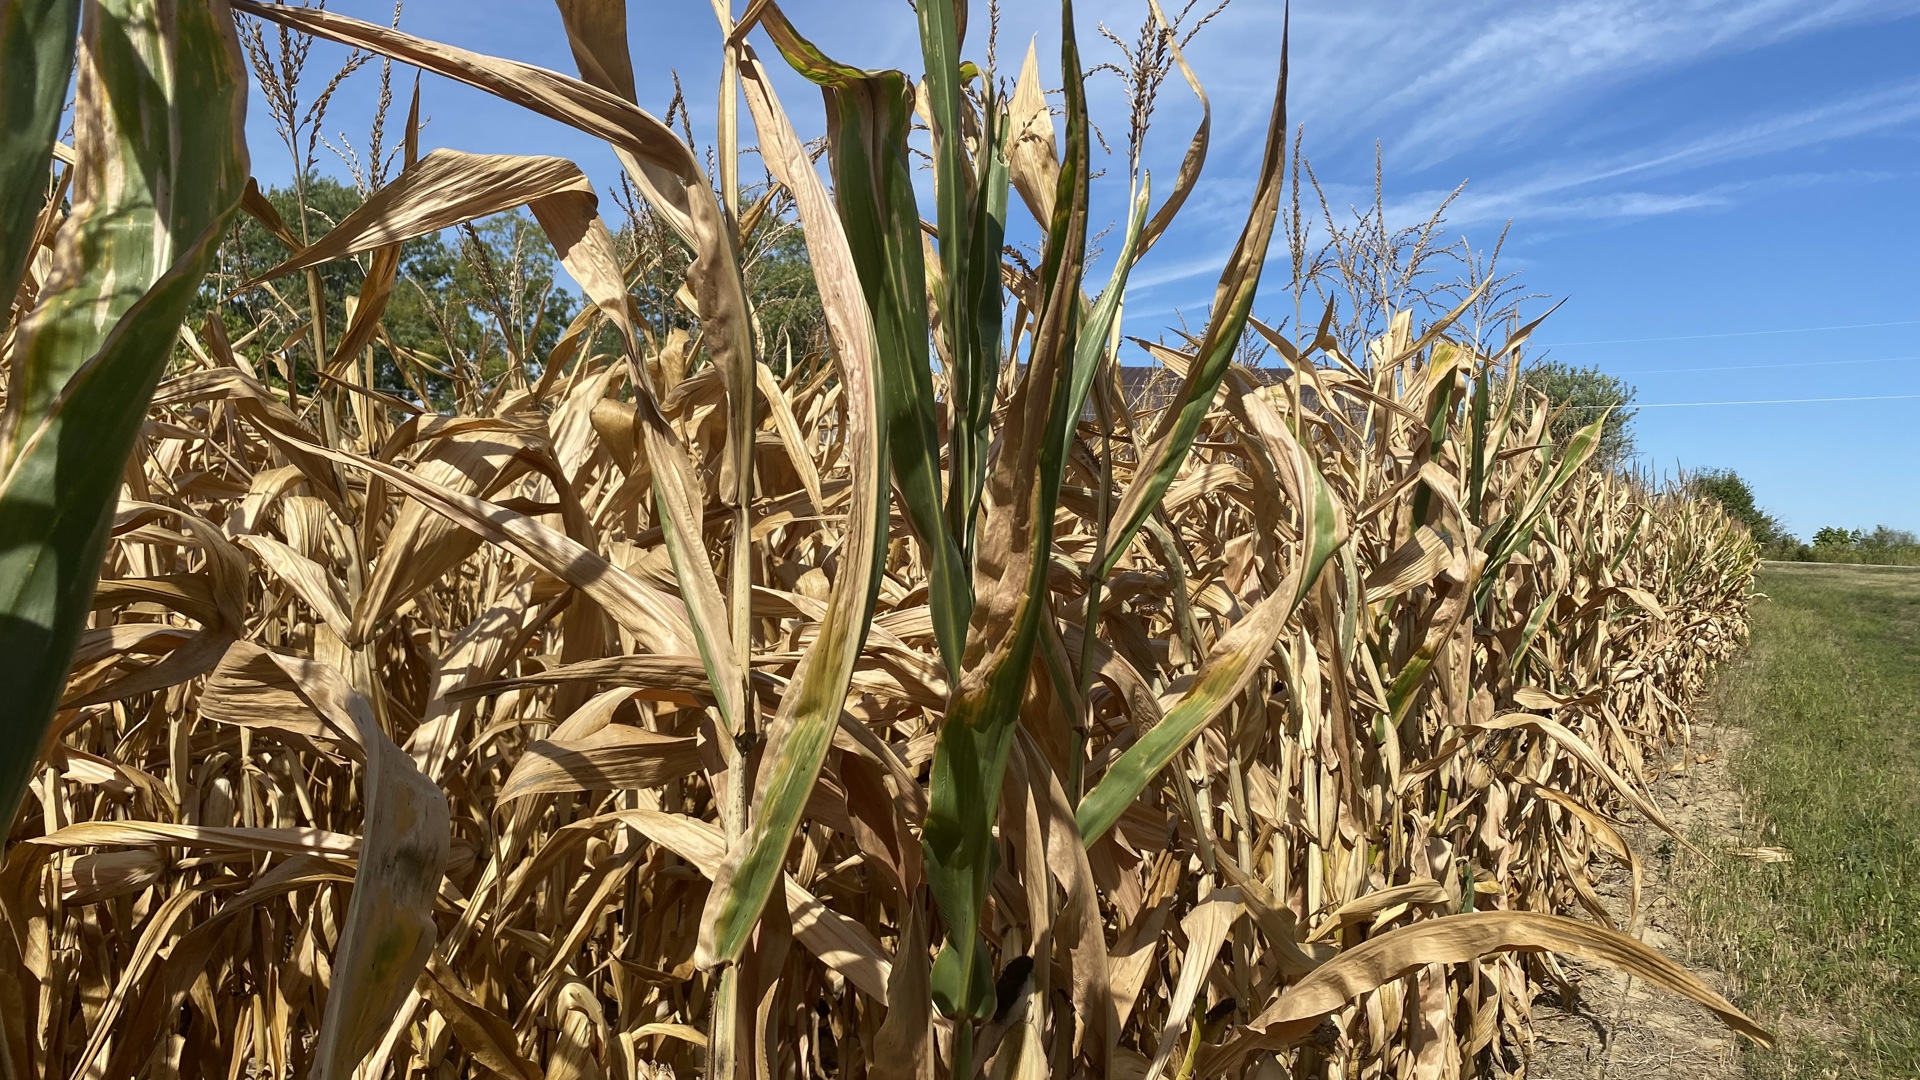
[{"x": 1702, "y": 180}]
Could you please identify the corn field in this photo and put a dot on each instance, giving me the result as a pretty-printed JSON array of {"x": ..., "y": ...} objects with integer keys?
[{"x": 912, "y": 703}]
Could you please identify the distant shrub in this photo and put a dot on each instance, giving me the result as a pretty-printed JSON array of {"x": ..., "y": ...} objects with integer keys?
[{"x": 1883, "y": 546}]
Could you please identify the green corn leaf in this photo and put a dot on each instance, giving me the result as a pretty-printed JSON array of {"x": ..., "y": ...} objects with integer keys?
[
  {"x": 149, "y": 206},
  {"x": 1479, "y": 412},
  {"x": 36, "y": 63},
  {"x": 970, "y": 212},
  {"x": 1230, "y": 667},
  {"x": 940, "y": 49},
  {"x": 1535, "y": 621},
  {"x": 974, "y": 337},
  {"x": 1400, "y": 695},
  {"x": 970, "y": 756},
  {"x": 1232, "y": 306},
  {"x": 869, "y": 116},
  {"x": 1626, "y": 546},
  {"x": 1441, "y": 399}
]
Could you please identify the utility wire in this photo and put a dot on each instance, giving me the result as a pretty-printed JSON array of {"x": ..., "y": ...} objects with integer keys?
[
  {"x": 1762, "y": 401},
  {"x": 1736, "y": 333},
  {"x": 1758, "y": 367}
]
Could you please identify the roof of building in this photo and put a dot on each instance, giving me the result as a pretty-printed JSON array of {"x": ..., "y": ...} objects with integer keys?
[{"x": 1147, "y": 387}]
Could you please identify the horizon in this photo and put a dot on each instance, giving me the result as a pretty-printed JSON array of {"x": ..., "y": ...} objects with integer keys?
[{"x": 1725, "y": 195}]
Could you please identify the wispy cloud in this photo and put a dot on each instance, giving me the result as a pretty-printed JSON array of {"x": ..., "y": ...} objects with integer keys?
[
  {"x": 1878, "y": 109},
  {"x": 1151, "y": 274},
  {"x": 1549, "y": 88},
  {"x": 1589, "y": 188},
  {"x": 1449, "y": 82},
  {"x": 1538, "y": 102}
]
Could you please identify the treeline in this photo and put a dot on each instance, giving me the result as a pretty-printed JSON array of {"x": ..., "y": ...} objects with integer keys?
[{"x": 1882, "y": 546}]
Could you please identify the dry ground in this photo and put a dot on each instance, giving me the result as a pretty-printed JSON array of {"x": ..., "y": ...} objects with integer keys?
[{"x": 1618, "y": 1027}]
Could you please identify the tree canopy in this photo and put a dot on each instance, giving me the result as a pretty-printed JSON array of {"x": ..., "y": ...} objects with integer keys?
[
  {"x": 1581, "y": 394},
  {"x": 1733, "y": 493},
  {"x": 482, "y": 296},
  {"x": 477, "y": 297}
]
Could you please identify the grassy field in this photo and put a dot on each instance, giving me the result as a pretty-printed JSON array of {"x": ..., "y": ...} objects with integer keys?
[{"x": 1826, "y": 946}]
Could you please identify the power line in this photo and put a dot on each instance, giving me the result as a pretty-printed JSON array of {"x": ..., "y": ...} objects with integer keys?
[
  {"x": 1761, "y": 401},
  {"x": 1735, "y": 333},
  {"x": 1758, "y": 367}
]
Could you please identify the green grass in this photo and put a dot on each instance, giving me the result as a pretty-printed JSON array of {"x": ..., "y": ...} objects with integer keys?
[
  {"x": 1826, "y": 948},
  {"x": 1902, "y": 555}
]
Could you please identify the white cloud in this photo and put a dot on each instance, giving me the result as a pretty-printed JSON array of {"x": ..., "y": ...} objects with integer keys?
[
  {"x": 1447, "y": 81},
  {"x": 1857, "y": 114},
  {"x": 1584, "y": 188},
  {"x": 1470, "y": 83}
]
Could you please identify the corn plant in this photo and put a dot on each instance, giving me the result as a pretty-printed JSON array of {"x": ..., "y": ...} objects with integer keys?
[
  {"x": 158, "y": 164},
  {"x": 930, "y": 708}
]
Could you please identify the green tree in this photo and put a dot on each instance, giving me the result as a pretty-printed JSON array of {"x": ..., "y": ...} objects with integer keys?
[
  {"x": 1883, "y": 538},
  {"x": 472, "y": 300},
  {"x": 1882, "y": 546},
  {"x": 1735, "y": 495},
  {"x": 476, "y": 300},
  {"x": 787, "y": 316},
  {"x": 1580, "y": 394}
]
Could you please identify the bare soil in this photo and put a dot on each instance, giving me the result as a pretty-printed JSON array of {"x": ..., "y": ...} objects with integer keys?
[{"x": 1616, "y": 1026}]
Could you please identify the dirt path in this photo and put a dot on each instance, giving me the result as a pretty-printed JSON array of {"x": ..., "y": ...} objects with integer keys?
[{"x": 1619, "y": 1027}]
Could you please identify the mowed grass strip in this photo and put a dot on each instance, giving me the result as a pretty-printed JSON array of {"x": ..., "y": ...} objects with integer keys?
[{"x": 1826, "y": 945}]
